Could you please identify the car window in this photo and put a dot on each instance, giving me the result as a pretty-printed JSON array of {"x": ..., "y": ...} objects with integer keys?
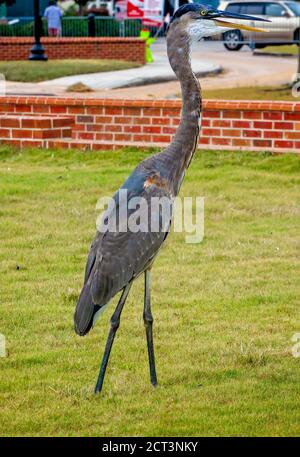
[
  {"x": 252, "y": 8},
  {"x": 295, "y": 7},
  {"x": 233, "y": 8},
  {"x": 275, "y": 10}
]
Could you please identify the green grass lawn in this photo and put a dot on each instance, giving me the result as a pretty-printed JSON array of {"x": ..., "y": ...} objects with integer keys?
[
  {"x": 26, "y": 71},
  {"x": 225, "y": 310},
  {"x": 251, "y": 93}
]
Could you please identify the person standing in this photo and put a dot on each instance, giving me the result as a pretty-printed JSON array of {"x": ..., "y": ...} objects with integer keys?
[{"x": 53, "y": 14}]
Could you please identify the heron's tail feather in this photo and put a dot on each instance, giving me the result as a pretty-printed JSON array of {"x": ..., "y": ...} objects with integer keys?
[{"x": 85, "y": 311}]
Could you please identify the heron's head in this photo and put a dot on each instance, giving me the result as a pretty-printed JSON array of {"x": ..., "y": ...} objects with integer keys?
[{"x": 202, "y": 21}]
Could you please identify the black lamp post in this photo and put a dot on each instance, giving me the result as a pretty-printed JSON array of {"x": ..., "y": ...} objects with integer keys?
[
  {"x": 37, "y": 51},
  {"x": 298, "y": 71}
]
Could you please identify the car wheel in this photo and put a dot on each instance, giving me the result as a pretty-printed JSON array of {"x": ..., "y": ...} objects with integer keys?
[
  {"x": 232, "y": 40},
  {"x": 296, "y": 37}
]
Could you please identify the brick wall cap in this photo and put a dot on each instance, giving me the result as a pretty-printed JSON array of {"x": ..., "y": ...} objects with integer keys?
[
  {"x": 245, "y": 105},
  {"x": 26, "y": 40}
]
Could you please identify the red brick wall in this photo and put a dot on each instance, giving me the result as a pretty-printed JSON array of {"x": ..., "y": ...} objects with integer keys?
[
  {"x": 110, "y": 124},
  {"x": 130, "y": 49},
  {"x": 35, "y": 127}
]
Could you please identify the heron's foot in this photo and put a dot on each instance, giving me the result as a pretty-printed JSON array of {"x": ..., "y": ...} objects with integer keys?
[{"x": 153, "y": 378}]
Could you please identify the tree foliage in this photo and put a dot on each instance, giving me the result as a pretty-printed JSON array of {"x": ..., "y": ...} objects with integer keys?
[{"x": 81, "y": 4}]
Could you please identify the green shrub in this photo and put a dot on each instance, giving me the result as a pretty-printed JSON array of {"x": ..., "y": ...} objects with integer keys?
[
  {"x": 74, "y": 27},
  {"x": 21, "y": 29},
  {"x": 132, "y": 27},
  {"x": 78, "y": 27},
  {"x": 107, "y": 27}
]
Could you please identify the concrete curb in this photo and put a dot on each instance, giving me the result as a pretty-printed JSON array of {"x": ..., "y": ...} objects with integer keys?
[{"x": 163, "y": 79}]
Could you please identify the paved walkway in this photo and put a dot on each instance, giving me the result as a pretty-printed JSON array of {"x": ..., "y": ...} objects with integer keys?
[
  {"x": 240, "y": 69},
  {"x": 153, "y": 73}
]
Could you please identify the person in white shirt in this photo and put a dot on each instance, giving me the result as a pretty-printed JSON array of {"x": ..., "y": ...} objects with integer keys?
[{"x": 53, "y": 14}]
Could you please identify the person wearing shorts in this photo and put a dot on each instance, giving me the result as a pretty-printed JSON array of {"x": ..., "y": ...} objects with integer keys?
[{"x": 53, "y": 14}]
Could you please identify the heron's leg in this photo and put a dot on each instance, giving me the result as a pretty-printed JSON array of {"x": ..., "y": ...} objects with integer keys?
[
  {"x": 115, "y": 322},
  {"x": 148, "y": 321}
]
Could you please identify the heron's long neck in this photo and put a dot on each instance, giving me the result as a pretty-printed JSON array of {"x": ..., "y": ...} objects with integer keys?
[{"x": 183, "y": 146}]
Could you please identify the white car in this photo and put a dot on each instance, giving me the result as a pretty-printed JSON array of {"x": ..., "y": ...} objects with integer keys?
[
  {"x": 102, "y": 4},
  {"x": 283, "y": 28}
]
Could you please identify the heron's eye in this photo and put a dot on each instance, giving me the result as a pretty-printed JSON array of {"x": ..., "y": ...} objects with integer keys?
[{"x": 203, "y": 12}]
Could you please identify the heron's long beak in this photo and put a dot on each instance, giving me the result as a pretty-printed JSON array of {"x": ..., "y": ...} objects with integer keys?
[{"x": 232, "y": 25}]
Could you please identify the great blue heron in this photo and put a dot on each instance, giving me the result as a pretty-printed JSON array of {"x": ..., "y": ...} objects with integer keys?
[{"x": 118, "y": 257}]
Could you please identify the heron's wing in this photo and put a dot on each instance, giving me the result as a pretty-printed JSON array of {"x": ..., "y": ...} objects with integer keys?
[
  {"x": 123, "y": 255},
  {"x": 92, "y": 256},
  {"x": 135, "y": 188},
  {"x": 116, "y": 256}
]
